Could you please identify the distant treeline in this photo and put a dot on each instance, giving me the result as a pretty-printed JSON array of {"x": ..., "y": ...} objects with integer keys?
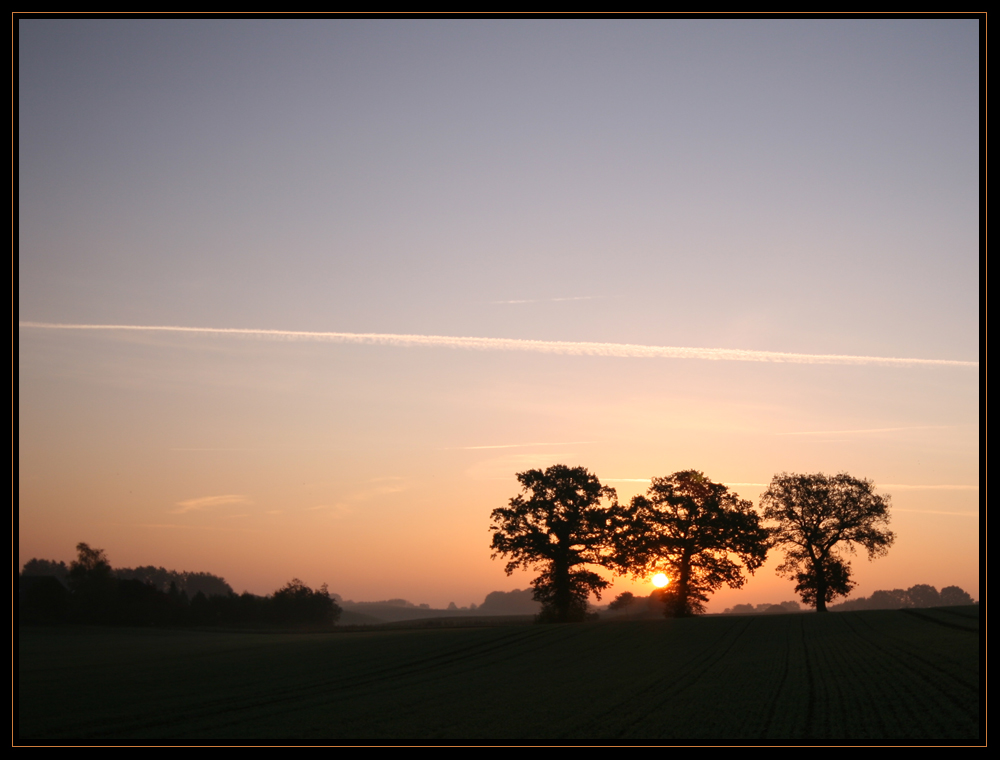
[
  {"x": 920, "y": 595},
  {"x": 628, "y": 605},
  {"x": 782, "y": 608},
  {"x": 516, "y": 602},
  {"x": 185, "y": 582},
  {"x": 497, "y": 603},
  {"x": 90, "y": 591}
]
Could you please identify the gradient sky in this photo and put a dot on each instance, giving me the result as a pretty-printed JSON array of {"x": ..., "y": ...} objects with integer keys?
[{"x": 778, "y": 186}]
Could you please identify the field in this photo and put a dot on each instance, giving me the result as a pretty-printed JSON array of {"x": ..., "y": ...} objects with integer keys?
[{"x": 858, "y": 677}]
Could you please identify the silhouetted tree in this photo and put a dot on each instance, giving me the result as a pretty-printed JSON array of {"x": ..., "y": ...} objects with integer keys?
[
  {"x": 923, "y": 595},
  {"x": 695, "y": 531},
  {"x": 46, "y": 567},
  {"x": 623, "y": 600},
  {"x": 812, "y": 516},
  {"x": 295, "y": 602},
  {"x": 187, "y": 582},
  {"x": 516, "y": 602},
  {"x": 818, "y": 585},
  {"x": 90, "y": 566},
  {"x": 888, "y": 599},
  {"x": 558, "y": 525},
  {"x": 93, "y": 585},
  {"x": 782, "y": 608},
  {"x": 952, "y": 596}
]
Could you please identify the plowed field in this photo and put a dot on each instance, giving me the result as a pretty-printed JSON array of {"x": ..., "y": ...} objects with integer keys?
[{"x": 861, "y": 677}]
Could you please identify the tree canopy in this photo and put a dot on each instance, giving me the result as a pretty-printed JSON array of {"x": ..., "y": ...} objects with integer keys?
[
  {"x": 812, "y": 517},
  {"x": 91, "y": 566},
  {"x": 559, "y": 524},
  {"x": 697, "y": 532},
  {"x": 295, "y": 602}
]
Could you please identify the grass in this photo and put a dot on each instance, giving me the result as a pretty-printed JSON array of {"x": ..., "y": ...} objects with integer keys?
[{"x": 857, "y": 677}]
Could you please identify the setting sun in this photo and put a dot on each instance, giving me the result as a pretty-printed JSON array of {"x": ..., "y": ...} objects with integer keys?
[{"x": 660, "y": 580}]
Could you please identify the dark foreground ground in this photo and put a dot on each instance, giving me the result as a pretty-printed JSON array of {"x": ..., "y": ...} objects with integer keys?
[{"x": 853, "y": 677}]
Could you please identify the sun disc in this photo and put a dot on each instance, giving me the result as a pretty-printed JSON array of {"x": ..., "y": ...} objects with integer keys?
[{"x": 660, "y": 580}]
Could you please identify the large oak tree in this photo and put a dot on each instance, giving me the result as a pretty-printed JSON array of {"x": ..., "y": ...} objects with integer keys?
[
  {"x": 698, "y": 533},
  {"x": 813, "y": 517},
  {"x": 559, "y": 525}
]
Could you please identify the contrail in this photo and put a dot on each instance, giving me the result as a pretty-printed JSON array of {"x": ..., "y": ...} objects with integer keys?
[{"x": 567, "y": 348}]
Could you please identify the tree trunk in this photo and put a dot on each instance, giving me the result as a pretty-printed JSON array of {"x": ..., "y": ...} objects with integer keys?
[
  {"x": 683, "y": 609},
  {"x": 820, "y": 587}
]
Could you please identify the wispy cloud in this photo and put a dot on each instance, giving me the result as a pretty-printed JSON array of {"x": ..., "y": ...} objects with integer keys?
[
  {"x": 568, "y": 348},
  {"x": 548, "y": 300},
  {"x": 873, "y": 430},
  {"x": 206, "y": 502},
  {"x": 881, "y": 486},
  {"x": 271, "y": 448},
  {"x": 372, "y": 493},
  {"x": 647, "y": 480},
  {"x": 175, "y": 526},
  {"x": 650, "y": 480},
  {"x": 932, "y": 488},
  {"x": 938, "y": 512},
  {"x": 334, "y": 510},
  {"x": 521, "y": 445}
]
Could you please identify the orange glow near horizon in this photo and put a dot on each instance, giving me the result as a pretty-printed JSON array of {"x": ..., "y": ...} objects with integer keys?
[{"x": 335, "y": 367}]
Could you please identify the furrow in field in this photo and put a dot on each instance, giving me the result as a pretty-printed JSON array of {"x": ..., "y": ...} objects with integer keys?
[
  {"x": 952, "y": 658},
  {"x": 788, "y": 704},
  {"x": 930, "y": 702},
  {"x": 400, "y": 693},
  {"x": 856, "y": 677},
  {"x": 867, "y": 691},
  {"x": 662, "y": 707},
  {"x": 970, "y": 625},
  {"x": 238, "y": 694}
]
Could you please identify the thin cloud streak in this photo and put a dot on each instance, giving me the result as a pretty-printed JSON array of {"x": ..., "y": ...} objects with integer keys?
[
  {"x": 649, "y": 480},
  {"x": 873, "y": 430},
  {"x": 209, "y": 501},
  {"x": 937, "y": 512},
  {"x": 196, "y": 527},
  {"x": 520, "y": 445},
  {"x": 626, "y": 480},
  {"x": 568, "y": 348},
  {"x": 882, "y": 486},
  {"x": 933, "y": 488},
  {"x": 549, "y": 300}
]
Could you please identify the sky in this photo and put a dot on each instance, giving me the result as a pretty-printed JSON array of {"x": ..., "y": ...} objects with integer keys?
[{"x": 403, "y": 260}]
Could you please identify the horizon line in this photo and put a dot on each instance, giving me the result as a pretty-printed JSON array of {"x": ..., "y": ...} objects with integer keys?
[{"x": 568, "y": 348}]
